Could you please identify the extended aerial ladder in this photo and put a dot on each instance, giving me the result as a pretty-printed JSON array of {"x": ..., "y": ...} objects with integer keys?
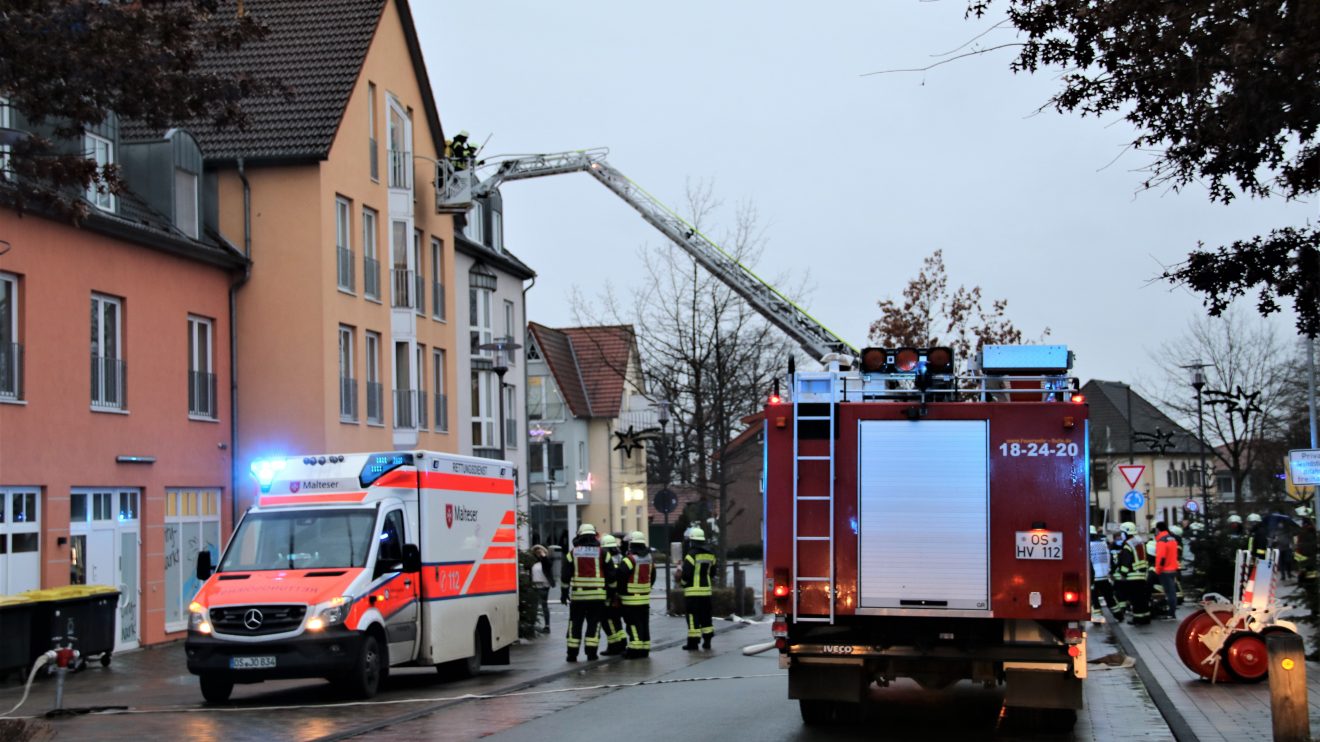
[{"x": 458, "y": 185}]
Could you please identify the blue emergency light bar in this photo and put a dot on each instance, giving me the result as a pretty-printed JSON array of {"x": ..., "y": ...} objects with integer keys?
[{"x": 1025, "y": 359}]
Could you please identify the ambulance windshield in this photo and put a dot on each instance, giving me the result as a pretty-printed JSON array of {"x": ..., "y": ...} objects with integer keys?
[{"x": 316, "y": 539}]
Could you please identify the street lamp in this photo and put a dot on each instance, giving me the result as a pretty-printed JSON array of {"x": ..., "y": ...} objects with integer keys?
[
  {"x": 1198, "y": 382},
  {"x": 663, "y": 419},
  {"x": 503, "y": 349}
]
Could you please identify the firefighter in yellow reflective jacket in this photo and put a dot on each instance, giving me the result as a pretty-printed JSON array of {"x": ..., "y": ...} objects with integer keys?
[
  {"x": 636, "y": 576},
  {"x": 1131, "y": 574},
  {"x": 583, "y": 583},
  {"x": 615, "y": 637},
  {"x": 698, "y": 567}
]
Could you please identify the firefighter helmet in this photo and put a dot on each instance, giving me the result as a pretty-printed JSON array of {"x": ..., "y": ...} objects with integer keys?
[
  {"x": 1093, "y": 531},
  {"x": 637, "y": 537},
  {"x": 1303, "y": 512},
  {"x": 696, "y": 534},
  {"x": 1234, "y": 518},
  {"x": 608, "y": 541},
  {"x": 1129, "y": 528},
  {"x": 1253, "y": 518},
  {"x": 586, "y": 528},
  {"x": 1198, "y": 526},
  {"x": 1176, "y": 530}
]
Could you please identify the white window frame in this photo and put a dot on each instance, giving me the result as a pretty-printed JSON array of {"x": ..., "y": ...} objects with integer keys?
[
  {"x": 510, "y": 314},
  {"x": 347, "y": 370},
  {"x": 437, "y": 279},
  {"x": 9, "y": 338},
  {"x": 483, "y": 410},
  {"x": 6, "y": 122},
  {"x": 479, "y": 320},
  {"x": 510, "y": 416},
  {"x": 181, "y": 587},
  {"x": 15, "y": 577},
  {"x": 419, "y": 277},
  {"x": 343, "y": 241},
  {"x": 187, "y": 193},
  {"x": 201, "y": 329},
  {"x": 473, "y": 228},
  {"x": 93, "y": 143},
  {"x": 99, "y": 302},
  {"x": 371, "y": 131},
  {"x": 372, "y": 372},
  {"x": 497, "y": 230},
  {"x": 370, "y": 251},
  {"x": 438, "y": 357}
]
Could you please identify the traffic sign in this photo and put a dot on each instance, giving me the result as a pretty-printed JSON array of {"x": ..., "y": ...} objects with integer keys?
[
  {"x": 666, "y": 501},
  {"x": 1192, "y": 506},
  {"x": 1304, "y": 466},
  {"x": 1134, "y": 500},
  {"x": 1131, "y": 473}
]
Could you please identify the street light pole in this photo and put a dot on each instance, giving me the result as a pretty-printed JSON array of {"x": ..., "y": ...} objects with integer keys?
[
  {"x": 1198, "y": 381},
  {"x": 664, "y": 483}
]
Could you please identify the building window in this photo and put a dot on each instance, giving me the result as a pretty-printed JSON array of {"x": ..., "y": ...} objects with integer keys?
[
  {"x": 375, "y": 395},
  {"x": 510, "y": 416},
  {"x": 201, "y": 370},
  {"x": 497, "y": 230},
  {"x": 473, "y": 228},
  {"x": 419, "y": 276},
  {"x": 370, "y": 257},
  {"x": 509, "y": 324},
  {"x": 107, "y": 362},
  {"x": 437, "y": 279},
  {"x": 400, "y": 157},
  {"x": 344, "y": 242},
  {"x": 533, "y": 352},
  {"x": 185, "y": 203},
  {"x": 102, "y": 151},
  {"x": 541, "y": 453},
  {"x": 20, "y": 539},
  {"x": 582, "y": 460},
  {"x": 438, "y": 358},
  {"x": 192, "y": 525},
  {"x": 421, "y": 388},
  {"x": 348, "y": 405},
  {"x": 479, "y": 321},
  {"x": 401, "y": 285},
  {"x": 11, "y": 352},
  {"x": 6, "y": 122},
  {"x": 405, "y": 398},
  {"x": 371, "y": 131},
  {"x": 483, "y": 409},
  {"x": 536, "y": 397}
]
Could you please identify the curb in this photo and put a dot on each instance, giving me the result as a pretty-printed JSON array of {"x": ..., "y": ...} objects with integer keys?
[{"x": 1182, "y": 731}]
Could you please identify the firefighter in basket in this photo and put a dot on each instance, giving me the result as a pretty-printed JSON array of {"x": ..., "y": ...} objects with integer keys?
[
  {"x": 583, "y": 580},
  {"x": 698, "y": 568},
  {"x": 636, "y": 578},
  {"x": 1131, "y": 574},
  {"x": 616, "y": 638}
]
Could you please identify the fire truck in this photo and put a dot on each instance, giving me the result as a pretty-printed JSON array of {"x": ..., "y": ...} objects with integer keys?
[
  {"x": 929, "y": 525},
  {"x": 354, "y": 563}
]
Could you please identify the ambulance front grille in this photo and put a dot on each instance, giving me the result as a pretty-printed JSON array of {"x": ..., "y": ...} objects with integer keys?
[{"x": 257, "y": 620}]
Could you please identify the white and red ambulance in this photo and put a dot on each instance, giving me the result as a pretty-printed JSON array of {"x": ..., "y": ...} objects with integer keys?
[{"x": 354, "y": 563}]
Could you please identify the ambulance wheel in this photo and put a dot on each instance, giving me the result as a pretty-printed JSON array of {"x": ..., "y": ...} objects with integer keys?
[
  {"x": 105, "y": 660},
  {"x": 1246, "y": 657},
  {"x": 469, "y": 667},
  {"x": 1193, "y": 652},
  {"x": 364, "y": 679},
  {"x": 216, "y": 688},
  {"x": 816, "y": 713}
]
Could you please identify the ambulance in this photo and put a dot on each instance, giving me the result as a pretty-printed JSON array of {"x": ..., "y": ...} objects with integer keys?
[{"x": 351, "y": 564}]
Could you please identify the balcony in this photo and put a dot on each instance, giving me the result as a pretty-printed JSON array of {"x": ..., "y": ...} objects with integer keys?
[
  {"x": 371, "y": 278},
  {"x": 348, "y": 401},
  {"x": 108, "y": 383},
  {"x": 201, "y": 395},
  {"x": 11, "y": 371},
  {"x": 421, "y": 410},
  {"x": 437, "y": 300},
  {"x": 420, "y": 303},
  {"x": 401, "y": 288},
  {"x": 441, "y": 413},
  {"x": 375, "y": 403},
  {"x": 405, "y": 404},
  {"x": 400, "y": 169},
  {"x": 345, "y": 268}
]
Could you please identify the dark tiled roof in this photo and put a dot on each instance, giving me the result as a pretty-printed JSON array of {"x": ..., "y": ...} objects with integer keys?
[
  {"x": 316, "y": 48},
  {"x": 557, "y": 350},
  {"x": 1110, "y": 426},
  {"x": 137, "y": 221},
  {"x": 602, "y": 354},
  {"x": 506, "y": 261}
]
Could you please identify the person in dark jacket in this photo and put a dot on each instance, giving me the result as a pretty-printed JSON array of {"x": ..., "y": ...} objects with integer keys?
[
  {"x": 698, "y": 569},
  {"x": 583, "y": 579},
  {"x": 616, "y": 637},
  {"x": 636, "y": 578},
  {"x": 543, "y": 578}
]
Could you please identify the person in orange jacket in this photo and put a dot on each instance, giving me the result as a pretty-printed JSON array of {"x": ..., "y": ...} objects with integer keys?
[{"x": 1166, "y": 565}]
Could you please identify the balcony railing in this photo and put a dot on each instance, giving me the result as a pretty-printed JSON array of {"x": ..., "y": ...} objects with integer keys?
[
  {"x": 11, "y": 371},
  {"x": 511, "y": 433},
  {"x": 401, "y": 288},
  {"x": 345, "y": 268},
  {"x": 371, "y": 277},
  {"x": 405, "y": 401},
  {"x": 420, "y": 282},
  {"x": 421, "y": 410},
  {"x": 442, "y": 413},
  {"x": 375, "y": 403},
  {"x": 400, "y": 169},
  {"x": 484, "y": 452},
  {"x": 108, "y": 382},
  {"x": 437, "y": 300},
  {"x": 375, "y": 159},
  {"x": 201, "y": 394},
  {"x": 348, "y": 401}
]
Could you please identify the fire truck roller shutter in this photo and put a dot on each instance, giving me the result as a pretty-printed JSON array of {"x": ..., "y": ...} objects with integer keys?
[{"x": 923, "y": 510}]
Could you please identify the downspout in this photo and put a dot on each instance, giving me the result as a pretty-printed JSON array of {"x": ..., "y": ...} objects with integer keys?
[
  {"x": 525, "y": 528},
  {"x": 233, "y": 346}
]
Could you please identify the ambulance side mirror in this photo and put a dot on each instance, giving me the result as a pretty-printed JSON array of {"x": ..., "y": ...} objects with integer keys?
[
  {"x": 412, "y": 558},
  {"x": 204, "y": 568}
]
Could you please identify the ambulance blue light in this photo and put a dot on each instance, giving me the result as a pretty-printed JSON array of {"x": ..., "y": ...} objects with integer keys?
[{"x": 264, "y": 470}]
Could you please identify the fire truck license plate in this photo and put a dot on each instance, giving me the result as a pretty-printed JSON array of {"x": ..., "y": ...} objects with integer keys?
[
  {"x": 1040, "y": 545},
  {"x": 250, "y": 663}
]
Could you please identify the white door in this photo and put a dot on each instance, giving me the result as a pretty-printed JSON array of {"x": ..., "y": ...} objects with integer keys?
[{"x": 103, "y": 525}]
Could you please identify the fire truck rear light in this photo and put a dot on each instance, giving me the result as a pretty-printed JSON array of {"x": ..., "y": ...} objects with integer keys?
[
  {"x": 1070, "y": 597},
  {"x": 1072, "y": 589},
  {"x": 1073, "y": 635},
  {"x": 1079, "y": 399},
  {"x": 775, "y": 399},
  {"x": 1074, "y": 651},
  {"x": 781, "y": 643},
  {"x": 779, "y": 629},
  {"x": 781, "y": 591}
]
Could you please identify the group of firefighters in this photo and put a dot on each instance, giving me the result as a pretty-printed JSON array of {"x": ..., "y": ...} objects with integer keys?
[
  {"x": 607, "y": 586},
  {"x": 1138, "y": 578}
]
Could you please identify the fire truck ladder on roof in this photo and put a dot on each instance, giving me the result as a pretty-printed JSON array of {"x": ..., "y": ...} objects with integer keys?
[
  {"x": 820, "y": 388},
  {"x": 456, "y": 190}
]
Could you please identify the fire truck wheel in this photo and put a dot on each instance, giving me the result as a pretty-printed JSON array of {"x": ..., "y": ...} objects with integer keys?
[
  {"x": 816, "y": 713},
  {"x": 1246, "y": 657},
  {"x": 216, "y": 688},
  {"x": 364, "y": 680},
  {"x": 1192, "y": 651}
]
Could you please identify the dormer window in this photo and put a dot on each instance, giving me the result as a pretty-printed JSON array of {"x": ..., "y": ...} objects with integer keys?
[
  {"x": 102, "y": 151},
  {"x": 186, "y": 211},
  {"x": 497, "y": 230}
]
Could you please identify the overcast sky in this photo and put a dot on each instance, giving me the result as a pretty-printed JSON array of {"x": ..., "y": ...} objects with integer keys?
[{"x": 856, "y": 178}]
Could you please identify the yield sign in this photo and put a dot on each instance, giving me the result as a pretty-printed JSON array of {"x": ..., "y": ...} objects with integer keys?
[{"x": 1132, "y": 473}]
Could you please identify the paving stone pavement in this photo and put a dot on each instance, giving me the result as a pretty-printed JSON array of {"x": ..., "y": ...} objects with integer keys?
[{"x": 1195, "y": 709}]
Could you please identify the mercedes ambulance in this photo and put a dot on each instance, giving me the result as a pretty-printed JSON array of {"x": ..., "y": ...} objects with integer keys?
[{"x": 351, "y": 564}]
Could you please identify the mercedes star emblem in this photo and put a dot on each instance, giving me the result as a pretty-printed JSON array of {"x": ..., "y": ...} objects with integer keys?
[{"x": 252, "y": 619}]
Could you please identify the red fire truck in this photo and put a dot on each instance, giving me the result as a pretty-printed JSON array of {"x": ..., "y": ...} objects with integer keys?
[{"x": 930, "y": 525}]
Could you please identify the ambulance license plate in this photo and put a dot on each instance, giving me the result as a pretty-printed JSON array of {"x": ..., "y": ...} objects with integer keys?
[
  {"x": 1040, "y": 545},
  {"x": 250, "y": 663}
]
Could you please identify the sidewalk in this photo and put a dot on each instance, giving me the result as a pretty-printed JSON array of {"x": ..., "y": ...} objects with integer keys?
[{"x": 1195, "y": 709}]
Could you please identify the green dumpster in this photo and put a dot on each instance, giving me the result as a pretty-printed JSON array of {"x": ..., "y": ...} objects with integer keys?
[
  {"x": 15, "y": 634},
  {"x": 83, "y": 613}
]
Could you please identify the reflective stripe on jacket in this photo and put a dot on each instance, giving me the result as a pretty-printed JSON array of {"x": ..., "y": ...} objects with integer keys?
[
  {"x": 1132, "y": 563},
  {"x": 697, "y": 568},
  {"x": 588, "y": 581},
  {"x": 638, "y": 576}
]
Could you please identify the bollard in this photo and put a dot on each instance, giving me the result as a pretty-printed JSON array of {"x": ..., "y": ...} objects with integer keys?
[
  {"x": 739, "y": 587},
  {"x": 1288, "y": 705}
]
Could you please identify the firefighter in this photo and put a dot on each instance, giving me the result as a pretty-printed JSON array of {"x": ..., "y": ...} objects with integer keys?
[
  {"x": 1237, "y": 536},
  {"x": 636, "y": 578},
  {"x": 1166, "y": 567},
  {"x": 1305, "y": 553},
  {"x": 1117, "y": 589},
  {"x": 1131, "y": 574},
  {"x": 616, "y": 639},
  {"x": 698, "y": 567},
  {"x": 1258, "y": 542},
  {"x": 461, "y": 151},
  {"x": 1101, "y": 586},
  {"x": 584, "y": 587}
]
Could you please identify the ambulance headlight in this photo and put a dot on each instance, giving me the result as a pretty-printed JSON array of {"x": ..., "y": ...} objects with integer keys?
[
  {"x": 265, "y": 470},
  {"x": 197, "y": 620},
  {"x": 332, "y": 615}
]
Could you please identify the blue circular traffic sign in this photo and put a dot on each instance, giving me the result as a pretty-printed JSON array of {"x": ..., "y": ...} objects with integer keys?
[{"x": 1134, "y": 500}]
